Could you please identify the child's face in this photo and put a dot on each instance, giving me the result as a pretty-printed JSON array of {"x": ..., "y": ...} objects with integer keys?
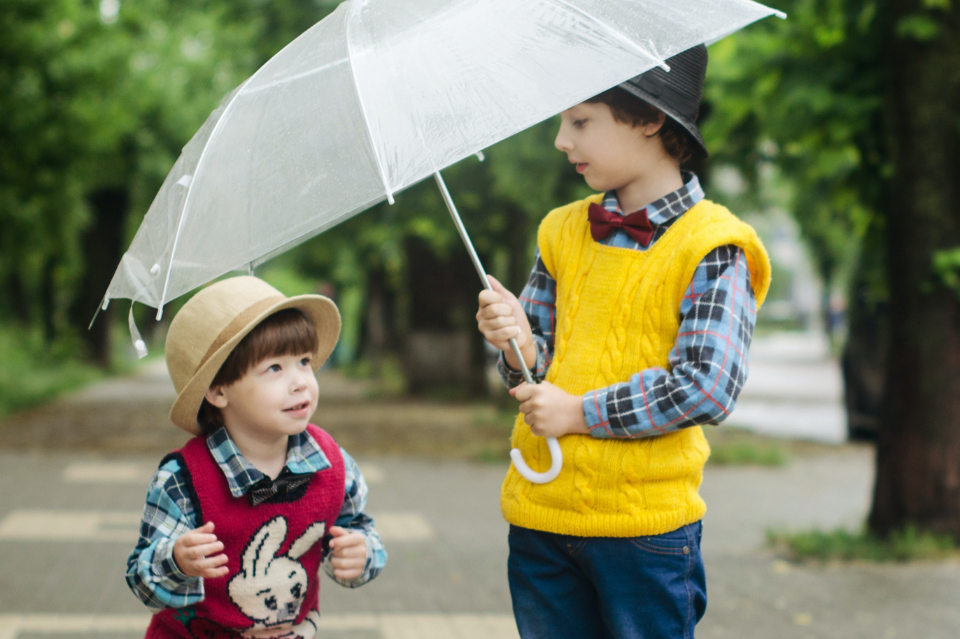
[
  {"x": 609, "y": 154},
  {"x": 275, "y": 398}
]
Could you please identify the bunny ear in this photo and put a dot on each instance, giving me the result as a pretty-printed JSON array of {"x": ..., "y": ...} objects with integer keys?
[
  {"x": 306, "y": 541},
  {"x": 261, "y": 551}
]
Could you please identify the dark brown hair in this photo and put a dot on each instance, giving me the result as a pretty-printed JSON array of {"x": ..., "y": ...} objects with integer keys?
[
  {"x": 631, "y": 110},
  {"x": 286, "y": 332}
]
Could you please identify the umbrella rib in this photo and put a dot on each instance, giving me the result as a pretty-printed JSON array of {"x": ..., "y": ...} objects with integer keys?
[
  {"x": 196, "y": 173},
  {"x": 292, "y": 78},
  {"x": 614, "y": 33},
  {"x": 354, "y": 9}
]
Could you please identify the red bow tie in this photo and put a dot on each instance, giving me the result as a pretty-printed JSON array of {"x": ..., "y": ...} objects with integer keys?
[{"x": 637, "y": 224}]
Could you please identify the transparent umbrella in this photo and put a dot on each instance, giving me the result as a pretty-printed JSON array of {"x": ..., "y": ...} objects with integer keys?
[{"x": 373, "y": 99}]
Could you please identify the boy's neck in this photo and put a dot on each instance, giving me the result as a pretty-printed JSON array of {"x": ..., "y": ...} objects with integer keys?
[
  {"x": 268, "y": 456},
  {"x": 649, "y": 188}
]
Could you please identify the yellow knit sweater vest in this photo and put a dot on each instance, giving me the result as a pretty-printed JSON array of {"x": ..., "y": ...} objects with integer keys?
[{"x": 618, "y": 314}]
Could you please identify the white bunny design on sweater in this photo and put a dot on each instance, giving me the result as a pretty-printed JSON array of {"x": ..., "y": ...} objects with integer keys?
[{"x": 269, "y": 589}]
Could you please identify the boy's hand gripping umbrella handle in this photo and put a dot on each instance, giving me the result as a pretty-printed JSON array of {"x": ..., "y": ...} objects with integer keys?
[{"x": 552, "y": 444}]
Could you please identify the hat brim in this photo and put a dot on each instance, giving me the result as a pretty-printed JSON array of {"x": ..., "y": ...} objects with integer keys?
[
  {"x": 690, "y": 127},
  {"x": 326, "y": 321}
]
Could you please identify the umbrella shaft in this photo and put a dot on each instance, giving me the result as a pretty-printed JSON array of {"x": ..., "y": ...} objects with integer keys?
[{"x": 476, "y": 263}]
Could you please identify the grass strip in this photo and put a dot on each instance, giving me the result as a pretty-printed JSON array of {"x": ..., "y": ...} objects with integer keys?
[{"x": 908, "y": 544}]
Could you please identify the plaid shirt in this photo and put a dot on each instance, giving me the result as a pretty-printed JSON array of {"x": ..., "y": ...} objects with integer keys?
[
  {"x": 152, "y": 573},
  {"x": 709, "y": 362}
]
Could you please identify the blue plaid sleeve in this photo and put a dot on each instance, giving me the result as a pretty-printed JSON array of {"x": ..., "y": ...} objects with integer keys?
[
  {"x": 152, "y": 574},
  {"x": 353, "y": 517},
  {"x": 539, "y": 300},
  {"x": 708, "y": 363}
]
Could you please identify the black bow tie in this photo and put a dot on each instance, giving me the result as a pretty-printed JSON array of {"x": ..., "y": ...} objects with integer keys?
[{"x": 266, "y": 488}]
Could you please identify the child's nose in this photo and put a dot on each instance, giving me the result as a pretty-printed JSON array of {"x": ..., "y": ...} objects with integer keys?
[
  {"x": 562, "y": 143},
  {"x": 301, "y": 379}
]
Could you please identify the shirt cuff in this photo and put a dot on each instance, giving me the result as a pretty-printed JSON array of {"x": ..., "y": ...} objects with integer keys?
[
  {"x": 595, "y": 413},
  {"x": 513, "y": 378},
  {"x": 167, "y": 573}
]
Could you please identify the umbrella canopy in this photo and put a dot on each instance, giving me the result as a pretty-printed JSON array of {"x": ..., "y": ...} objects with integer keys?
[{"x": 376, "y": 97}]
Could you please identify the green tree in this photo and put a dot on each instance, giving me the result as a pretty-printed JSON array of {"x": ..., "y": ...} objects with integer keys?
[
  {"x": 98, "y": 99},
  {"x": 858, "y": 104}
]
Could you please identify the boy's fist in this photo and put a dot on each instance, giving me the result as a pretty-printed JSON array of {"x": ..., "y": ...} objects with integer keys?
[
  {"x": 198, "y": 553},
  {"x": 549, "y": 410},
  {"x": 500, "y": 317},
  {"x": 349, "y": 553}
]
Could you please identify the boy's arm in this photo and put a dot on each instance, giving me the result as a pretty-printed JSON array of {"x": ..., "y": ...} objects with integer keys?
[
  {"x": 353, "y": 518},
  {"x": 538, "y": 299},
  {"x": 152, "y": 573},
  {"x": 709, "y": 361}
]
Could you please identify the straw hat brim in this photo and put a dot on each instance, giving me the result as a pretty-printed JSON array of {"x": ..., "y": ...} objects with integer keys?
[{"x": 326, "y": 320}]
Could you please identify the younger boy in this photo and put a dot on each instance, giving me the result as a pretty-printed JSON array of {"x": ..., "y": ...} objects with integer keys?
[
  {"x": 639, "y": 326},
  {"x": 238, "y": 522}
]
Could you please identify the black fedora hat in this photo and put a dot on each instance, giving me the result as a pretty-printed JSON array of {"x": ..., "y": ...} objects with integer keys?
[{"x": 678, "y": 92}]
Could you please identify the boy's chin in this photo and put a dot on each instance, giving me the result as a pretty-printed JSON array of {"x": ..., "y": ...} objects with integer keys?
[{"x": 599, "y": 184}]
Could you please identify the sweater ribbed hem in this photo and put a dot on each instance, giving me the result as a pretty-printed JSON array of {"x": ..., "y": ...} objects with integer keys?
[{"x": 566, "y": 522}]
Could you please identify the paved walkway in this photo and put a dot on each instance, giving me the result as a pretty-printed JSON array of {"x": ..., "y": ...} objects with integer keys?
[
  {"x": 69, "y": 513},
  {"x": 66, "y": 529},
  {"x": 794, "y": 390}
]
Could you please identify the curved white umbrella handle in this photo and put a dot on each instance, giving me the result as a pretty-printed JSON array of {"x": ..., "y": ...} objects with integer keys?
[
  {"x": 531, "y": 475},
  {"x": 553, "y": 445}
]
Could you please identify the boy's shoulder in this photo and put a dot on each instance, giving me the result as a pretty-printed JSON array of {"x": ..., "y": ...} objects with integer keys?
[{"x": 169, "y": 479}]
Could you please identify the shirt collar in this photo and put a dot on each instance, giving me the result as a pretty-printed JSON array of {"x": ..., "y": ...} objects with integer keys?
[
  {"x": 303, "y": 457},
  {"x": 670, "y": 206}
]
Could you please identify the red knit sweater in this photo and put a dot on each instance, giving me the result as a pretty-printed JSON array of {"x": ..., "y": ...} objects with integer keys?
[{"x": 272, "y": 589}]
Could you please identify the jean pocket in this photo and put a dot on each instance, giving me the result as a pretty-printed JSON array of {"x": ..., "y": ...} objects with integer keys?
[
  {"x": 575, "y": 545},
  {"x": 675, "y": 542}
]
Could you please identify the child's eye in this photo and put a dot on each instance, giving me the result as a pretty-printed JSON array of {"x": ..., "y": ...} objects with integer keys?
[
  {"x": 274, "y": 368},
  {"x": 306, "y": 361},
  {"x": 579, "y": 123}
]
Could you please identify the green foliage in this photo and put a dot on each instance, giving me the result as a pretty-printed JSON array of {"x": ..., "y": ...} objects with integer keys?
[
  {"x": 946, "y": 268},
  {"x": 732, "y": 446},
  {"x": 34, "y": 372},
  {"x": 919, "y": 27},
  {"x": 909, "y": 544},
  {"x": 95, "y": 101},
  {"x": 747, "y": 454},
  {"x": 801, "y": 98}
]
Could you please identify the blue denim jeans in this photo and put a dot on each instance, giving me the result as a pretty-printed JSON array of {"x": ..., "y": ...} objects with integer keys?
[{"x": 603, "y": 587}]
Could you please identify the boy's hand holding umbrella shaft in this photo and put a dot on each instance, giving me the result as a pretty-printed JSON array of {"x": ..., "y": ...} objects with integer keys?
[
  {"x": 501, "y": 318},
  {"x": 547, "y": 409}
]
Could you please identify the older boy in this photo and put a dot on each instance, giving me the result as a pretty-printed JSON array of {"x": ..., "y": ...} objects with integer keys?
[
  {"x": 238, "y": 521},
  {"x": 640, "y": 328}
]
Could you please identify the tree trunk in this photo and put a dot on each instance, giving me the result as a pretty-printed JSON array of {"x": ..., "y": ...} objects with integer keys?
[
  {"x": 918, "y": 449},
  {"x": 376, "y": 325},
  {"x": 48, "y": 301},
  {"x": 102, "y": 248},
  {"x": 17, "y": 299}
]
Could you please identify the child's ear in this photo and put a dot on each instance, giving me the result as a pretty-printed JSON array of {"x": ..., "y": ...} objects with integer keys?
[
  {"x": 651, "y": 128},
  {"x": 215, "y": 396}
]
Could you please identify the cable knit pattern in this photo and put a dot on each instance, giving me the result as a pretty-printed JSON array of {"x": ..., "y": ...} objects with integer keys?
[{"x": 617, "y": 314}]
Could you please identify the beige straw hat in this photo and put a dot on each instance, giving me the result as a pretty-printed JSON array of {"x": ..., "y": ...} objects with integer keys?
[{"x": 212, "y": 323}]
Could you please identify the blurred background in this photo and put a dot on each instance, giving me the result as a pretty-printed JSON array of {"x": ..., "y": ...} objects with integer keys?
[{"x": 836, "y": 133}]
